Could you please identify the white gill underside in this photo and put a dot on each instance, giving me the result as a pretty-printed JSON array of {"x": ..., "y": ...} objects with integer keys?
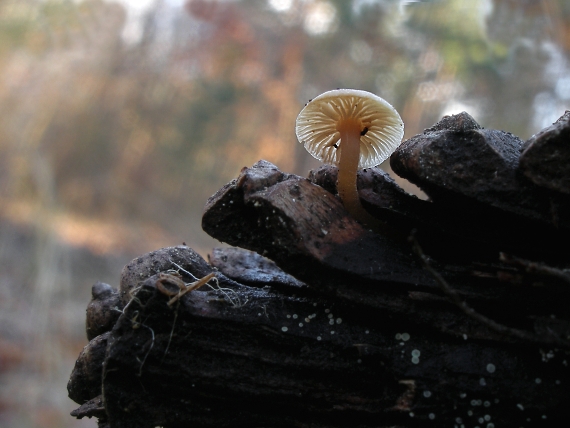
[{"x": 317, "y": 127}]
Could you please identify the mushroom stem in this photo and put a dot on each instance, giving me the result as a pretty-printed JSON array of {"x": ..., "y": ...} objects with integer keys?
[{"x": 348, "y": 165}]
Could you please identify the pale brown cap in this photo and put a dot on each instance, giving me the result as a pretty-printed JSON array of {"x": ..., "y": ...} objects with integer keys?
[{"x": 382, "y": 127}]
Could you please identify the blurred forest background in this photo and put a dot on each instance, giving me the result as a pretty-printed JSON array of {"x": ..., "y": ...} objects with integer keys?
[{"x": 118, "y": 119}]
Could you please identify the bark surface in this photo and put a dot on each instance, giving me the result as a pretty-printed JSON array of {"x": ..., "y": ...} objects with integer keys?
[{"x": 455, "y": 315}]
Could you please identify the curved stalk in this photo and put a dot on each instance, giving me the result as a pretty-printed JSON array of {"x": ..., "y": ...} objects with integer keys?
[{"x": 347, "y": 168}]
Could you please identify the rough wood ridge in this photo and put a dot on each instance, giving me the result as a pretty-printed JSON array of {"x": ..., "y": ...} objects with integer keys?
[{"x": 455, "y": 315}]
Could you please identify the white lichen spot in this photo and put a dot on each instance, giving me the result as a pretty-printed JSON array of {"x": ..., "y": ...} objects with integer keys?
[
  {"x": 324, "y": 231},
  {"x": 331, "y": 322},
  {"x": 319, "y": 337},
  {"x": 538, "y": 380},
  {"x": 398, "y": 336},
  {"x": 300, "y": 324},
  {"x": 288, "y": 316},
  {"x": 411, "y": 414},
  {"x": 431, "y": 416},
  {"x": 459, "y": 420},
  {"x": 366, "y": 332},
  {"x": 464, "y": 337},
  {"x": 486, "y": 403},
  {"x": 520, "y": 406},
  {"x": 462, "y": 395},
  {"x": 295, "y": 316},
  {"x": 284, "y": 329},
  {"x": 416, "y": 353},
  {"x": 482, "y": 382},
  {"x": 307, "y": 319},
  {"x": 359, "y": 361},
  {"x": 487, "y": 418},
  {"x": 469, "y": 412},
  {"x": 338, "y": 320},
  {"x": 330, "y": 315},
  {"x": 405, "y": 337},
  {"x": 327, "y": 311},
  {"x": 427, "y": 394},
  {"x": 415, "y": 360},
  {"x": 547, "y": 356},
  {"x": 332, "y": 331},
  {"x": 491, "y": 368}
]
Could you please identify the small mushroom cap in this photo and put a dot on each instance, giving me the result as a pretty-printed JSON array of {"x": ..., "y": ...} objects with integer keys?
[{"x": 317, "y": 125}]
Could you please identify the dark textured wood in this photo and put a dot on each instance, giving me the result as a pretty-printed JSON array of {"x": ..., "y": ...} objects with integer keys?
[
  {"x": 441, "y": 229},
  {"x": 298, "y": 224},
  {"x": 250, "y": 268},
  {"x": 546, "y": 156},
  {"x": 211, "y": 363},
  {"x": 458, "y": 156},
  {"x": 473, "y": 174},
  {"x": 162, "y": 260},
  {"x": 85, "y": 380},
  {"x": 103, "y": 310},
  {"x": 351, "y": 263},
  {"x": 457, "y": 315},
  {"x": 93, "y": 408},
  {"x": 382, "y": 197}
]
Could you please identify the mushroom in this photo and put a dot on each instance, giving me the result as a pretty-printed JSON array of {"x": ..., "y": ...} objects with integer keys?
[{"x": 352, "y": 129}]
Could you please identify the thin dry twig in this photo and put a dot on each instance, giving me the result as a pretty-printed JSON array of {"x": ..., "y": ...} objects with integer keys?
[
  {"x": 535, "y": 267},
  {"x": 183, "y": 288},
  {"x": 455, "y": 298},
  {"x": 227, "y": 292},
  {"x": 171, "y": 335},
  {"x": 137, "y": 324},
  {"x": 190, "y": 287}
]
